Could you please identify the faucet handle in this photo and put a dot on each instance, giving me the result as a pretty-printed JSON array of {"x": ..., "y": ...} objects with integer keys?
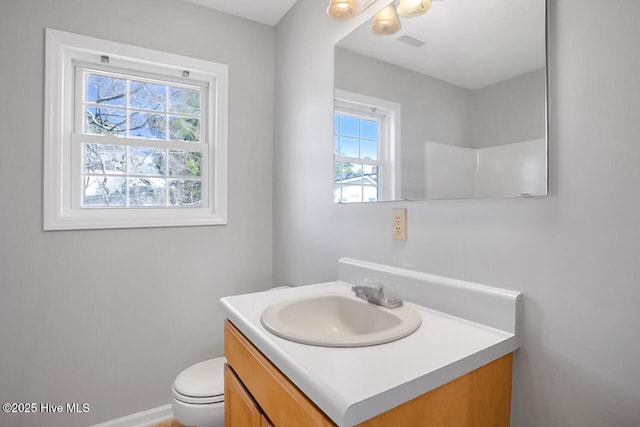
[
  {"x": 391, "y": 290},
  {"x": 391, "y": 295},
  {"x": 372, "y": 282}
]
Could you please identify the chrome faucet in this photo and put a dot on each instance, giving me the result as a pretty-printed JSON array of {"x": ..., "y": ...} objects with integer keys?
[{"x": 373, "y": 291}]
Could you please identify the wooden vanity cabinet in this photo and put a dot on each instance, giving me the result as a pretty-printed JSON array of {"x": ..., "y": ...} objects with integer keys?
[{"x": 258, "y": 394}]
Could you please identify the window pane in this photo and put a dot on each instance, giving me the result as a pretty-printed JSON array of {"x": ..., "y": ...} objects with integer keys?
[
  {"x": 148, "y": 96},
  {"x": 352, "y": 174},
  {"x": 100, "y": 120},
  {"x": 147, "y": 161},
  {"x": 147, "y": 125},
  {"x": 185, "y": 101},
  {"x": 348, "y": 126},
  {"x": 371, "y": 172},
  {"x": 105, "y": 159},
  {"x": 351, "y": 193},
  {"x": 370, "y": 183},
  {"x": 147, "y": 192},
  {"x": 184, "y": 129},
  {"x": 368, "y": 149},
  {"x": 184, "y": 192},
  {"x": 369, "y": 129},
  {"x": 349, "y": 147},
  {"x": 336, "y": 124},
  {"x": 103, "y": 191},
  {"x": 338, "y": 172},
  {"x": 370, "y": 194},
  {"x": 105, "y": 90},
  {"x": 336, "y": 145},
  {"x": 185, "y": 163},
  {"x": 347, "y": 171}
]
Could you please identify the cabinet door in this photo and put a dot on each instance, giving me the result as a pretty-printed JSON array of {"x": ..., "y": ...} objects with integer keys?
[{"x": 240, "y": 410}]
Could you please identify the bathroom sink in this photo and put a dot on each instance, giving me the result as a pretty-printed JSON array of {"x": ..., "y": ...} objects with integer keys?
[{"x": 338, "y": 320}]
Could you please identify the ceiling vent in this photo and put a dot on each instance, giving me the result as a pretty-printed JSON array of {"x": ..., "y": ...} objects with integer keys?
[{"x": 411, "y": 41}]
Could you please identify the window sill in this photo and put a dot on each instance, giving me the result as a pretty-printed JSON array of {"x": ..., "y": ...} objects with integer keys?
[{"x": 132, "y": 218}]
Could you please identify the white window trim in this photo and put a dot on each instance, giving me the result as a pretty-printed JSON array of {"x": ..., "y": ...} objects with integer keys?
[
  {"x": 390, "y": 159},
  {"x": 62, "y": 49}
]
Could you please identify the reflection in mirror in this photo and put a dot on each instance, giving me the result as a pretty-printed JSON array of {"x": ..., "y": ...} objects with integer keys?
[{"x": 451, "y": 106}]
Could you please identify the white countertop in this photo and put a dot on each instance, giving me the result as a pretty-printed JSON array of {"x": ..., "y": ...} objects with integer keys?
[{"x": 352, "y": 385}]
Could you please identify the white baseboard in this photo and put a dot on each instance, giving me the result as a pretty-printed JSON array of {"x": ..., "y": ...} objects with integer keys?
[{"x": 146, "y": 418}]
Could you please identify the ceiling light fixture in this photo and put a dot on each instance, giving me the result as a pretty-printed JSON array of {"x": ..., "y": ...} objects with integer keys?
[
  {"x": 413, "y": 8},
  {"x": 342, "y": 9},
  {"x": 386, "y": 22}
]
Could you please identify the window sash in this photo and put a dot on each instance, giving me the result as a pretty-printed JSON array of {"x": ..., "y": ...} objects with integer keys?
[
  {"x": 80, "y": 68},
  {"x": 77, "y": 172}
]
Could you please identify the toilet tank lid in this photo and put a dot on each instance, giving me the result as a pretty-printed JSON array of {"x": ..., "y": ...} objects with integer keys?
[{"x": 204, "y": 379}]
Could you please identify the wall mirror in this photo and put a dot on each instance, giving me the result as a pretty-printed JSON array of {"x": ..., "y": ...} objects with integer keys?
[{"x": 453, "y": 105}]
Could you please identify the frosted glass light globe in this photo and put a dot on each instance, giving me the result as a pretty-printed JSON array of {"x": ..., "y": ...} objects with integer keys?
[
  {"x": 413, "y": 8},
  {"x": 386, "y": 22},
  {"x": 341, "y": 9}
]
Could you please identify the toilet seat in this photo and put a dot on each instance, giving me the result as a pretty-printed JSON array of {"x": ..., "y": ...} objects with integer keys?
[
  {"x": 202, "y": 383},
  {"x": 198, "y": 400}
]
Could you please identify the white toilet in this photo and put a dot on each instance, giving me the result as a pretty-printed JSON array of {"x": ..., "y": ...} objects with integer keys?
[{"x": 198, "y": 394}]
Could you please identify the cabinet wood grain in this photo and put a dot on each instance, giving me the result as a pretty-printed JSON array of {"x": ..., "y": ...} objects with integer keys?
[{"x": 481, "y": 398}]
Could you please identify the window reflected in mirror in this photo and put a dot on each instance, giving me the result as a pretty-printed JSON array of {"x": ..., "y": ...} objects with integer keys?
[{"x": 366, "y": 148}]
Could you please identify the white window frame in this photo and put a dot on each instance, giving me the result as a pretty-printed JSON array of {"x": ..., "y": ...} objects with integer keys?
[
  {"x": 389, "y": 152},
  {"x": 62, "y": 160}
]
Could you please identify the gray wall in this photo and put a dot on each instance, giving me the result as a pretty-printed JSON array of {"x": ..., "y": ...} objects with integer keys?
[
  {"x": 509, "y": 111},
  {"x": 574, "y": 254},
  {"x": 110, "y": 317}
]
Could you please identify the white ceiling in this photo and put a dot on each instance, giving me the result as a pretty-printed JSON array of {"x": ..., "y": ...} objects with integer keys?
[
  {"x": 469, "y": 43},
  {"x": 265, "y": 11}
]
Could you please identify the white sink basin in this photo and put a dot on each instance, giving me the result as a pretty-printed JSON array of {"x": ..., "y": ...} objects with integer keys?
[{"x": 338, "y": 320}]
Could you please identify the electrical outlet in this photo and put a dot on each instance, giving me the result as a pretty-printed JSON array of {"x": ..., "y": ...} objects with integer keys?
[{"x": 400, "y": 224}]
